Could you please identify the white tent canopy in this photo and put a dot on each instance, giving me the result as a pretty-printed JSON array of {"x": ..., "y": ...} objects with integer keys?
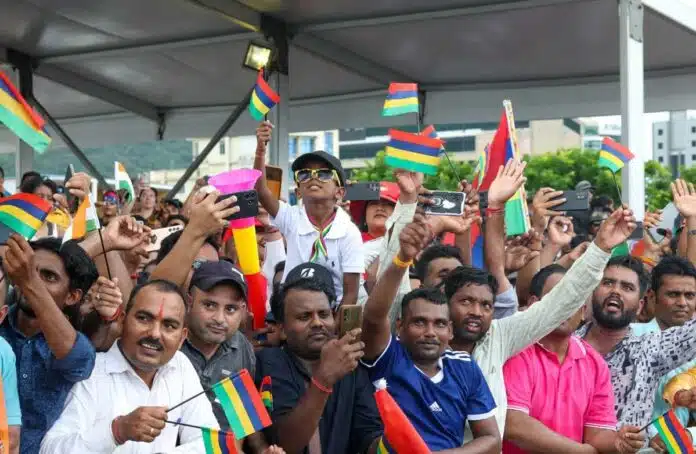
[{"x": 110, "y": 71}]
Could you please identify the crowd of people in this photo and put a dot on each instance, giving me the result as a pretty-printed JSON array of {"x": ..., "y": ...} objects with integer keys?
[{"x": 559, "y": 344}]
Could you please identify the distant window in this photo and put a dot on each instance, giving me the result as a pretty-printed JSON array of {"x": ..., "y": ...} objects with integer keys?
[
  {"x": 292, "y": 147},
  {"x": 693, "y": 130},
  {"x": 659, "y": 146},
  {"x": 693, "y": 157},
  {"x": 222, "y": 148},
  {"x": 693, "y": 143},
  {"x": 682, "y": 159},
  {"x": 329, "y": 142},
  {"x": 305, "y": 145},
  {"x": 660, "y": 132},
  {"x": 660, "y": 159}
]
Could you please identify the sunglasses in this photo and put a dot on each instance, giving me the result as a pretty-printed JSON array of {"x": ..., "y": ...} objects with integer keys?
[
  {"x": 111, "y": 200},
  {"x": 304, "y": 175}
]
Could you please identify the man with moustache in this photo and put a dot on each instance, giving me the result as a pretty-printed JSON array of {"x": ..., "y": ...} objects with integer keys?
[
  {"x": 559, "y": 391},
  {"x": 215, "y": 346},
  {"x": 322, "y": 401},
  {"x": 50, "y": 282},
  {"x": 438, "y": 390},
  {"x": 636, "y": 362},
  {"x": 123, "y": 406}
]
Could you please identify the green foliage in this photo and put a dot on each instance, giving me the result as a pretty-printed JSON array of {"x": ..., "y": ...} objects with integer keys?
[
  {"x": 444, "y": 180},
  {"x": 561, "y": 170}
]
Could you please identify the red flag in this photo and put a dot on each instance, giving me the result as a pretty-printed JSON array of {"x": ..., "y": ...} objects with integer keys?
[
  {"x": 401, "y": 435},
  {"x": 499, "y": 152}
]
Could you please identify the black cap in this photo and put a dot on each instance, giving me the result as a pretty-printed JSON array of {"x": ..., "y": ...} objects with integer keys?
[
  {"x": 332, "y": 161},
  {"x": 211, "y": 274},
  {"x": 174, "y": 202},
  {"x": 315, "y": 272}
]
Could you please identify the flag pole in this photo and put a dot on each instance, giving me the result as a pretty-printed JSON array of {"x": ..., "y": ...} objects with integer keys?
[
  {"x": 204, "y": 391},
  {"x": 654, "y": 421},
  {"x": 193, "y": 426},
  {"x": 106, "y": 259},
  {"x": 616, "y": 185}
]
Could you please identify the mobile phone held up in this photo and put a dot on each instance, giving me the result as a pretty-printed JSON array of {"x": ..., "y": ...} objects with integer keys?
[
  {"x": 157, "y": 235},
  {"x": 349, "y": 318},
  {"x": 445, "y": 203},
  {"x": 274, "y": 179},
  {"x": 71, "y": 199},
  {"x": 575, "y": 201},
  {"x": 362, "y": 191},
  {"x": 248, "y": 203}
]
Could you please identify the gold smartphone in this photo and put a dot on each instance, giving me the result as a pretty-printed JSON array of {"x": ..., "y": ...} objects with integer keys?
[
  {"x": 274, "y": 179},
  {"x": 349, "y": 318}
]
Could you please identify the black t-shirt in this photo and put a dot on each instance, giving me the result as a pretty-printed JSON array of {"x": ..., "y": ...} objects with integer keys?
[{"x": 350, "y": 422}]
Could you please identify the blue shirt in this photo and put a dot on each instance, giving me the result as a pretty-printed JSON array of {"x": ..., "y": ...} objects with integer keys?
[
  {"x": 438, "y": 407},
  {"x": 44, "y": 381},
  {"x": 8, "y": 368}
]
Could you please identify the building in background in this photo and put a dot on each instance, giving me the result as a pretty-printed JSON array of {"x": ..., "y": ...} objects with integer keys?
[{"x": 674, "y": 142}]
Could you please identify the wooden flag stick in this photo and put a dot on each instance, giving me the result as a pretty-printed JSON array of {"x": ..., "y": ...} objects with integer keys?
[{"x": 203, "y": 392}]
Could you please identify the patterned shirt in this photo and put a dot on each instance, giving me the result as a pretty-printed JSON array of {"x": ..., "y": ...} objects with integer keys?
[{"x": 638, "y": 362}]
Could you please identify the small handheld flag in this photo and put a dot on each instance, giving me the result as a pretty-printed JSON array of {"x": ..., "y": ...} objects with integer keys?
[
  {"x": 402, "y": 437},
  {"x": 266, "y": 392},
  {"x": 413, "y": 152},
  {"x": 218, "y": 442},
  {"x": 242, "y": 404},
  {"x": 123, "y": 181},
  {"x": 613, "y": 155},
  {"x": 401, "y": 99},
  {"x": 263, "y": 98},
  {"x": 20, "y": 118},
  {"x": 673, "y": 434},
  {"x": 85, "y": 221},
  {"x": 24, "y": 213}
]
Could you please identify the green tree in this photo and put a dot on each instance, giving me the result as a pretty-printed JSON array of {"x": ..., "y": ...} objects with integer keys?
[{"x": 444, "y": 180}]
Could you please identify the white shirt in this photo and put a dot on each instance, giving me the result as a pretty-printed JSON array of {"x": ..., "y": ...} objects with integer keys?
[
  {"x": 343, "y": 243},
  {"x": 114, "y": 390}
]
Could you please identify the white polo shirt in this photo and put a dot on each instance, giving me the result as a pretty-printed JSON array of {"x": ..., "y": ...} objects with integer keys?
[{"x": 343, "y": 243}]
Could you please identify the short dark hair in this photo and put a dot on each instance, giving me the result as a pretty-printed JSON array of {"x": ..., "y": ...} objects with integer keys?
[
  {"x": 177, "y": 217},
  {"x": 468, "y": 275},
  {"x": 29, "y": 174},
  {"x": 635, "y": 265},
  {"x": 671, "y": 265},
  {"x": 81, "y": 270},
  {"x": 601, "y": 201},
  {"x": 313, "y": 285},
  {"x": 434, "y": 252},
  {"x": 169, "y": 242},
  {"x": 162, "y": 285},
  {"x": 432, "y": 295},
  {"x": 31, "y": 184},
  {"x": 536, "y": 287}
]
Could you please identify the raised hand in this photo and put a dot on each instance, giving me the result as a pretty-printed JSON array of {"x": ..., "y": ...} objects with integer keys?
[
  {"x": 507, "y": 182},
  {"x": 413, "y": 238},
  {"x": 409, "y": 185},
  {"x": 263, "y": 135},
  {"x": 520, "y": 251},
  {"x": 544, "y": 201},
  {"x": 472, "y": 196},
  {"x": 18, "y": 261},
  {"x": 652, "y": 219},
  {"x": 105, "y": 296},
  {"x": 561, "y": 231},
  {"x": 208, "y": 215},
  {"x": 79, "y": 185},
  {"x": 684, "y": 197},
  {"x": 339, "y": 357},
  {"x": 454, "y": 224},
  {"x": 124, "y": 233},
  {"x": 615, "y": 229}
]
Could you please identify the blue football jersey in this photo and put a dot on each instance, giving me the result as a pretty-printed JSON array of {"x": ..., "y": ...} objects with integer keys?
[{"x": 438, "y": 407}]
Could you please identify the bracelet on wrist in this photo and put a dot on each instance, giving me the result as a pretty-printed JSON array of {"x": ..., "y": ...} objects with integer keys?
[
  {"x": 320, "y": 387},
  {"x": 400, "y": 263},
  {"x": 494, "y": 211},
  {"x": 115, "y": 316}
]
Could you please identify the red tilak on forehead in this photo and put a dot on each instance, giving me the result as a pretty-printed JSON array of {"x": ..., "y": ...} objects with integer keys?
[{"x": 160, "y": 314}]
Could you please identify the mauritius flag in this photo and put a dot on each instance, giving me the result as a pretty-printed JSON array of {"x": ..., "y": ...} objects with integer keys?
[{"x": 502, "y": 149}]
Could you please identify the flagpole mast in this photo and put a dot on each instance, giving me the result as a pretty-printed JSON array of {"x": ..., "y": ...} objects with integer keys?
[{"x": 203, "y": 392}]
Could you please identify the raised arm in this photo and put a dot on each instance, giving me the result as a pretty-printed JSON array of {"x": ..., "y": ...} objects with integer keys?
[
  {"x": 684, "y": 196},
  {"x": 376, "y": 326},
  {"x": 266, "y": 197}
]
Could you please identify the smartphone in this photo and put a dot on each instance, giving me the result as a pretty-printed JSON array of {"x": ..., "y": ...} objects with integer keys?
[
  {"x": 637, "y": 233},
  {"x": 445, "y": 203},
  {"x": 71, "y": 199},
  {"x": 362, "y": 191},
  {"x": 248, "y": 203},
  {"x": 157, "y": 235},
  {"x": 349, "y": 318},
  {"x": 274, "y": 180},
  {"x": 575, "y": 201}
]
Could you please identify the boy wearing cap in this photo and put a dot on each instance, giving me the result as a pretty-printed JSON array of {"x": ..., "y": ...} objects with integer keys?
[
  {"x": 317, "y": 231},
  {"x": 215, "y": 346}
]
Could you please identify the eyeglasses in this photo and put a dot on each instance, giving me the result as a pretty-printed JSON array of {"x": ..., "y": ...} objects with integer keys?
[
  {"x": 304, "y": 175},
  {"x": 111, "y": 200}
]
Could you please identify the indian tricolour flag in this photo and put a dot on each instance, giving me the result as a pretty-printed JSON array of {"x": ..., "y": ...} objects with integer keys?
[
  {"x": 123, "y": 181},
  {"x": 85, "y": 221}
]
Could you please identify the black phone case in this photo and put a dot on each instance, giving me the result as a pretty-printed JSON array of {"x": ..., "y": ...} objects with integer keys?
[
  {"x": 362, "y": 191},
  {"x": 446, "y": 203},
  {"x": 248, "y": 203},
  {"x": 575, "y": 201}
]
